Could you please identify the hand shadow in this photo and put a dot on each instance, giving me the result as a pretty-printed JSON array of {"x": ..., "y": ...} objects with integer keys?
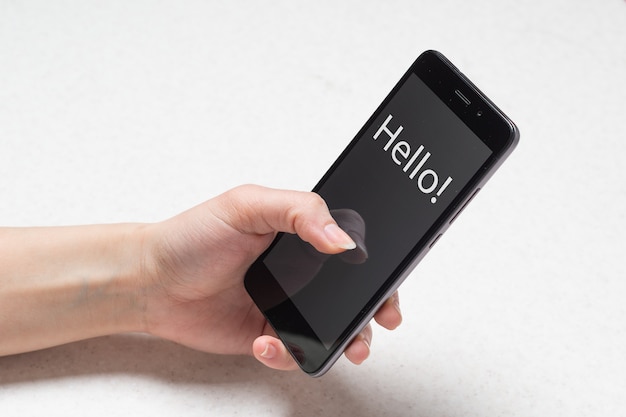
[{"x": 155, "y": 359}]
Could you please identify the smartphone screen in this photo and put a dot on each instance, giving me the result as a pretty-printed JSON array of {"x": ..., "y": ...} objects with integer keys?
[{"x": 427, "y": 149}]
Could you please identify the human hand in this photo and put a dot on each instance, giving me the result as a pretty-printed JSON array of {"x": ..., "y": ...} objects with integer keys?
[{"x": 195, "y": 263}]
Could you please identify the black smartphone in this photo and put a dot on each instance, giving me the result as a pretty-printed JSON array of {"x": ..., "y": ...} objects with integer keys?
[{"x": 420, "y": 158}]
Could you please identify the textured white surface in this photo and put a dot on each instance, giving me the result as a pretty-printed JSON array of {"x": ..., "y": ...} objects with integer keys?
[{"x": 136, "y": 110}]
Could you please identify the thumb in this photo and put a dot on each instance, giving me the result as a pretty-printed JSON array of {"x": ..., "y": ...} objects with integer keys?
[{"x": 252, "y": 209}]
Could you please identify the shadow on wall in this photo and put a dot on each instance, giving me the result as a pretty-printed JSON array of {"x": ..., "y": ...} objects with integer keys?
[{"x": 142, "y": 356}]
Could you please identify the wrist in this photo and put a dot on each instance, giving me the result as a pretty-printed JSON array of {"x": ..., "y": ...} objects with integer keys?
[
  {"x": 128, "y": 290},
  {"x": 65, "y": 284},
  {"x": 104, "y": 281}
]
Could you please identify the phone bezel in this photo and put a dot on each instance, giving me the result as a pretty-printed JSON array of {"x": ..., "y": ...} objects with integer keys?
[{"x": 493, "y": 127}]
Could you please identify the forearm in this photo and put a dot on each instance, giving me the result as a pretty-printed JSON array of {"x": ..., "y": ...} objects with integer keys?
[{"x": 63, "y": 284}]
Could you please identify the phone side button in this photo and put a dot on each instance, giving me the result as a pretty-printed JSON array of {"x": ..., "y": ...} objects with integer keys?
[
  {"x": 434, "y": 241},
  {"x": 464, "y": 205}
]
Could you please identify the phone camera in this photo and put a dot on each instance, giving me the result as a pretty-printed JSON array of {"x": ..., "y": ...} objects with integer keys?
[{"x": 479, "y": 113}]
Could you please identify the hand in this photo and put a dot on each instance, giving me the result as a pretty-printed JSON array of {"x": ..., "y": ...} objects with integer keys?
[{"x": 196, "y": 262}]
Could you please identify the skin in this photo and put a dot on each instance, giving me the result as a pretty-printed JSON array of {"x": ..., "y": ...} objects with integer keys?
[{"x": 180, "y": 279}]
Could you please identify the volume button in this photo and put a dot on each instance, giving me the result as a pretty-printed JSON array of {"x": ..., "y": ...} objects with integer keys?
[
  {"x": 435, "y": 241},
  {"x": 464, "y": 205}
]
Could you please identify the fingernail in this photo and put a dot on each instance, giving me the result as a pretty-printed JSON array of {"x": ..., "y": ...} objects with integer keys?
[
  {"x": 367, "y": 343},
  {"x": 396, "y": 302},
  {"x": 338, "y": 237},
  {"x": 269, "y": 352}
]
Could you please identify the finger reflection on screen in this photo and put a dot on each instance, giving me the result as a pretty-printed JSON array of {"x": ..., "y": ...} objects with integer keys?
[{"x": 295, "y": 262}]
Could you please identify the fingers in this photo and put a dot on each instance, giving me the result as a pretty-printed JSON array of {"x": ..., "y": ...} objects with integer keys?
[
  {"x": 258, "y": 210},
  {"x": 359, "y": 349},
  {"x": 271, "y": 352},
  {"x": 389, "y": 315}
]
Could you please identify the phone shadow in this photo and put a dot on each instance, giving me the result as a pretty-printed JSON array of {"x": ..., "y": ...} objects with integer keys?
[{"x": 288, "y": 393}]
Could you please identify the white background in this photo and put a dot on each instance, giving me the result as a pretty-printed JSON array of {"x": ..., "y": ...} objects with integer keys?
[{"x": 135, "y": 110}]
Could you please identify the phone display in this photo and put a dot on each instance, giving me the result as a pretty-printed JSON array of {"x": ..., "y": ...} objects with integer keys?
[{"x": 418, "y": 160}]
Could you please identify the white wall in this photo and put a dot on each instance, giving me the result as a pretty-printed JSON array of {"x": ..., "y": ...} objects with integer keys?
[{"x": 136, "y": 110}]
